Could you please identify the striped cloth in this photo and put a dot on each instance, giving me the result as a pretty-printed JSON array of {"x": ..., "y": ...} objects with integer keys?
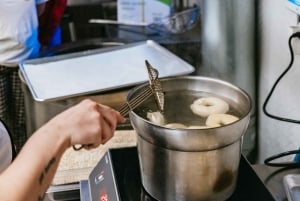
[{"x": 12, "y": 109}]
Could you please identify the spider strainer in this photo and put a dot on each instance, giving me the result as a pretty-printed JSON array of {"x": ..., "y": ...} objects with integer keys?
[{"x": 154, "y": 89}]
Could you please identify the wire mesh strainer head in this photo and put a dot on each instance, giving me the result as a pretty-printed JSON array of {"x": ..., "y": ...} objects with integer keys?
[{"x": 156, "y": 86}]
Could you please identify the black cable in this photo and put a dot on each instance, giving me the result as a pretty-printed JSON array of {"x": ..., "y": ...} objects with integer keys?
[
  {"x": 295, "y": 35},
  {"x": 282, "y": 164},
  {"x": 283, "y": 154}
]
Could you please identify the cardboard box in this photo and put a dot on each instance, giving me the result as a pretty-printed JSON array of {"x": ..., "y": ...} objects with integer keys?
[
  {"x": 130, "y": 11},
  {"x": 157, "y": 10}
]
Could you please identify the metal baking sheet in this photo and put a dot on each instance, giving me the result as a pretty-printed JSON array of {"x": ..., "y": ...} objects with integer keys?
[{"x": 101, "y": 70}]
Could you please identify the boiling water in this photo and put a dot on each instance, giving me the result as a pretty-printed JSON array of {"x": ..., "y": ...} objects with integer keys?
[{"x": 177, "y": 107}]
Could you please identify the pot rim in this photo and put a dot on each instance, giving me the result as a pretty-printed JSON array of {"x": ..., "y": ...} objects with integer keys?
[{"x": 197, "y": 139}]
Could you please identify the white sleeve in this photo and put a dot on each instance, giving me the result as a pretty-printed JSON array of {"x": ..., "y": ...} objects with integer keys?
[{"x": 5, "y": 148}]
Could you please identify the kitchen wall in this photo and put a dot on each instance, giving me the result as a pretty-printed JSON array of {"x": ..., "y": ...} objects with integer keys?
[{"x": 274, "y": 21}]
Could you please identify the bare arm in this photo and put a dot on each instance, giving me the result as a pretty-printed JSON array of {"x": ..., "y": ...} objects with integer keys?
[{"x": 32, "y": 171}]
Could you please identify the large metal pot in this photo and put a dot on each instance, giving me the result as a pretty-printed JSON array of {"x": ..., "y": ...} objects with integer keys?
[{"x": 191, "y": 164}]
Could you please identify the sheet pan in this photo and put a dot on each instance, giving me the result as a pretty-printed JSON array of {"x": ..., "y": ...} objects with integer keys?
[{"x": 101, "y": 70}]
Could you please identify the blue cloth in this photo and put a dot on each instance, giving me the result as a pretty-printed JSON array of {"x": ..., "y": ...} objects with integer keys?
[{"x": 56, "y": 38}]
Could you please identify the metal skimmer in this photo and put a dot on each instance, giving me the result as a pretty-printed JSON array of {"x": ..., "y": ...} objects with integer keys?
[{"x": 154, "y": 88}]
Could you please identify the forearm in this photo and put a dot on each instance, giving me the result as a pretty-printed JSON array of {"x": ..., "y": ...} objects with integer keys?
[
  {"x": 28, "y": 177},
  {"x": 32, "y": 171}
]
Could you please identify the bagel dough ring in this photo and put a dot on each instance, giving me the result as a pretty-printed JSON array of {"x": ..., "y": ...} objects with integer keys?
[
  {"x": 209, "y": 105},
  {"x": 175, "y": 125},
  {"x": 216, "y": 120},
  {"x": 156, "y": 118}
]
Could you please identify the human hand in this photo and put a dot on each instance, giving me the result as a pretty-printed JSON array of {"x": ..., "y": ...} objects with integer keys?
[{"x": 87, "y": 123}]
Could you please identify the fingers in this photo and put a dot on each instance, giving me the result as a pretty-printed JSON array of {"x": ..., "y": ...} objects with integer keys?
[
  {"x": 92, "y": 124},
  {"x": 111, "y": 116},
  {"x": 107, "y": 131},
  {"x": 90, "y": 146},
  {"x": 109, "y": 120}
]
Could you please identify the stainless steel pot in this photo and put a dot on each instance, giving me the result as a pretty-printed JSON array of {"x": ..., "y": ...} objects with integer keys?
[{"x": 191, "y": 164}]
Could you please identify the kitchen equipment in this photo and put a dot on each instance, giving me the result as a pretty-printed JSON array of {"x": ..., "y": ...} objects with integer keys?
[
  {"x": 67, "y": 192},
  {"x": 91, "y": 71},
  {"x": 154, "y": 89},
  {"x": 175, "y": 24},
  {"x": 291, "y": 184},
  {"x": 156, "y": 86},
  {"x": 191, "y": 164}
]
